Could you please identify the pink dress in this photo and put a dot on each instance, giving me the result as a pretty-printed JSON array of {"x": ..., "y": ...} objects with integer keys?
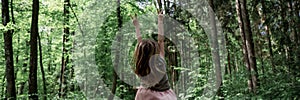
[
  {"x": 148, "y": 94},
  {"x": 157, "y": 83}
]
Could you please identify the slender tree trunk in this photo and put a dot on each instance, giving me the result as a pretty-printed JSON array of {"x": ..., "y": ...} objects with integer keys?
[
  {"x": 8, "y": 48},
  {"x": 245, "y": 52},
  {"x": 294, "y": 34},
  {"x": 159, "y": 5},
  {"x": 174, "y": 71},
  {"x": 49, "y": 43},
  {"x": 12, "y": 14},
  {"x": 21, "y": 89},
  {"x": 115, "y": 64},
  {"x": 297, "y": 11},
  {"x": 237, "y": 63},
  {"x": 42, "y": 69},
  {"x": 268, "y": 32},
  {"x": 262, "y": 60},
  {"x": 3, "y": 91},
  {"x": 24, "y": 70},
  {"x": 33, "y": 88},
  {"x": 172, "y": 58},
  {"x": 73, "y": 87},
  {"x": 248, "y": 43},
  {"x": 18, "y": 38},
  {"x": 228, "y": 56},
  {"x": 65, "y": 51},
  {"x": 166, "y": 6},
  {"x": 286, "y": 38}
]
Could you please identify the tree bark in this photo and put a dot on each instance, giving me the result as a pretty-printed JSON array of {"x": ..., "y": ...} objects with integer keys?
[
  {"x": 159, "y": 5},
  {"x": 33, "y": 90},
  {"x": 297, "y": 11},
  {"x": 285, "y": 45},
  {"x": 245, "y": 52},
  {"x": 250, "y": 45},
  {"x": 73, "y": 88},
  {"x": 116, "y": 62},
  {"x": 8, "y": 48},
  {"x": 228, "y": 68},
  {"x": 248, "y": 42},
  {"x": 174, "y": 62},
  {"x": 3, "y": 91},
  {"x": 167, "y": 6},
  {"x": 293, "y": 34},
  {"x": 42, "y": 69},
  {"x": 65, "y": 61},
  {"x": 18, "y": 39},
  {"x": 24, "y": 70},
  {"x": 268, "y": 32},
  {"x": 49, "y": 43}
]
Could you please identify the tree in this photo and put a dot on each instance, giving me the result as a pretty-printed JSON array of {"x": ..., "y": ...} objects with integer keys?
[
  {"x": 159, "y": 5},
  {"x": 8, "y": 47},
  {"x": 116, "y": 61},
  {"x": 248, "y": 45},
  {"x": 42, "y": 68},
  {"x": 66, "y": 51},
  {"x": 268, "y": 32},
  {"x": 33, "y": 90}
]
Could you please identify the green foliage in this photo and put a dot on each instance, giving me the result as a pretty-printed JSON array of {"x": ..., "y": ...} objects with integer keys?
[{"x": 99, "y": 20}]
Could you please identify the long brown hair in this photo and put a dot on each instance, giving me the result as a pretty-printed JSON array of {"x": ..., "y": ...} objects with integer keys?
[{"x": 144, "y": 50}]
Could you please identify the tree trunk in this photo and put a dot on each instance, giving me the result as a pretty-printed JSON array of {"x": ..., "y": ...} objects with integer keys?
[
  {"x": 42, "y": 69},
  {"x": 245, "y": 52},
  {"x": 73, "y": 88},
  {"x": 250, "y": 45},
  {"x": 297, "y": 11},
  {"x": 33, "y": 90},
  {"x": 293, "y": 35},
  {"x": 248, "y": 42},
  {"x": 167, "y": 6},
  {"x": 286, "y": 39},
  {"x": 18, "y": 38},
  {"x": 228, "y": 56},
  {"x": 174, "y": 73},
  {"x": 8, "y": 48},
  {"x": 3, "y": 91},
  {"x": 268, "y": 32},
  {"x": 24, "y": 70},
  {"x": 115, "y": 64},
  {"x": 49, "y": 43},
  {"x": 159, "y": 5},
  {"x": 65, "y": 51}
]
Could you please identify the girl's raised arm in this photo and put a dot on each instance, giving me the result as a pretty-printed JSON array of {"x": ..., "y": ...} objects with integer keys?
[
  {"x": 161, "y": 34},
  {"x": 137, "y": 29}
]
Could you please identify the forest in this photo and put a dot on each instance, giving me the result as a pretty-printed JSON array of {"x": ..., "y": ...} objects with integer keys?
[{"x": 214, "y": 49}]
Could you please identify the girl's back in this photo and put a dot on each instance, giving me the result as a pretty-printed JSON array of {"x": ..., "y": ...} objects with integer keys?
[{"x": 150, "y": 66}]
